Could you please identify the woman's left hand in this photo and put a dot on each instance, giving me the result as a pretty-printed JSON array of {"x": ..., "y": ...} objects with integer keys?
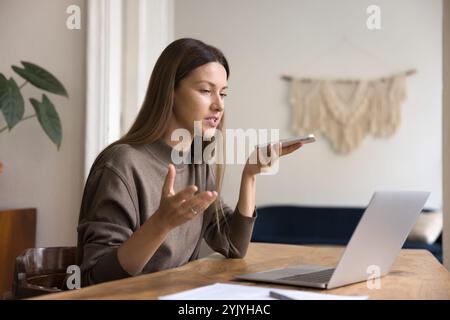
[{"x": 260, "y": 162}]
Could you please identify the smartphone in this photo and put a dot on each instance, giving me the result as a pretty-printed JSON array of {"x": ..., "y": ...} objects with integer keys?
[{"x": 287, "y": 142}]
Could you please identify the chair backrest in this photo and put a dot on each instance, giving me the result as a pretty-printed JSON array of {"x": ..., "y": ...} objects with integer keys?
[{"x": 42, "y": 270}]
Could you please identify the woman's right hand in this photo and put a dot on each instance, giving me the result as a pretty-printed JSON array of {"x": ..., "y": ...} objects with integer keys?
[{"x": 176, "y": 209}]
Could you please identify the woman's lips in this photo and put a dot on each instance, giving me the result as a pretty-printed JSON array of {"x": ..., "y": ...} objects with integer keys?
[{"x": 212, "y": 121}]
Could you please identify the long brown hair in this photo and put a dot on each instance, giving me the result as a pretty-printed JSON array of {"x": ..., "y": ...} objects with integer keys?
[{"x": 176, "y": 61}]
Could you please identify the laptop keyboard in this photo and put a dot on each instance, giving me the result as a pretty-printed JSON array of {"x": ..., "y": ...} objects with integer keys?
[{"x": 315, "y": 277}]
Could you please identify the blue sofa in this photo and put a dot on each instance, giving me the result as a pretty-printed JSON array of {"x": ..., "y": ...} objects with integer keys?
[{"x": 317, "y": 225}]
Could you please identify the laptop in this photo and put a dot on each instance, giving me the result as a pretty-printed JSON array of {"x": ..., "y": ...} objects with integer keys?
[{"x": 371, "y": 251}]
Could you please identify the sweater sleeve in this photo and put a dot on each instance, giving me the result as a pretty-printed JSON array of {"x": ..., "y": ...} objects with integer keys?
[
  {"x": 108, "y": 218},
  {"x": 229, "y": 235}
]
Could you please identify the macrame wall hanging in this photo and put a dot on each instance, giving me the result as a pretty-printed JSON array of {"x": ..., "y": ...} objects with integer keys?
[{"x": 345, "y": 111}]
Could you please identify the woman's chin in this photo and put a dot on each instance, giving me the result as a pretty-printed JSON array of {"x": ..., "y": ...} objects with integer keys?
[{"x": 209, "y": 132}]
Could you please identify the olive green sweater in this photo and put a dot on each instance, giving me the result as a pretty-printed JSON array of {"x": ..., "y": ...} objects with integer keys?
[{"x": 124, "y": 189}]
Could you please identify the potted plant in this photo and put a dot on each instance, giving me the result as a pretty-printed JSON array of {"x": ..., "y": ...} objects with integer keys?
[{"x": 12, "y": 103}]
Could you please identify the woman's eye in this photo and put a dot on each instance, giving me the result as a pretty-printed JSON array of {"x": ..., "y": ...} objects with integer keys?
[{"x": 206, "y": 91}]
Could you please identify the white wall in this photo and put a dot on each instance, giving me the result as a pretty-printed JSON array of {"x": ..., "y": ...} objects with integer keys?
[
  {"x": 264, "y": 39},
  {"x": 35, "y": 173}
]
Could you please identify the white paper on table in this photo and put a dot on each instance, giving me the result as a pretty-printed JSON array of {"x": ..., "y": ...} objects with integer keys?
[{"x": 227, "y": 291}]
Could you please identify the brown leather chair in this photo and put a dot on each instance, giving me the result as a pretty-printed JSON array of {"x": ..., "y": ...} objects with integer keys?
[{"x": 41, "y": 271}]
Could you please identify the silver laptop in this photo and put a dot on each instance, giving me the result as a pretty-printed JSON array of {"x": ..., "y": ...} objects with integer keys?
[{"x": 374, "y": 245}]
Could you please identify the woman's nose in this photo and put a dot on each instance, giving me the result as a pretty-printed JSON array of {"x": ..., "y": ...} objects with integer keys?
[
  {"x": 218, "y": 103},
  {"x": 218, "y": 106}
]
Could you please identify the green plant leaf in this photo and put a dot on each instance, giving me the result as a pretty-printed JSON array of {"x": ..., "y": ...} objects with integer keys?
[
  {"x": 11, "y": 101},
  {"x": 40, "y": 78},
  {"x": 3, "y": 84},
  {"x": 2, "y": 78},
  {"x": 48, "y": 118}
]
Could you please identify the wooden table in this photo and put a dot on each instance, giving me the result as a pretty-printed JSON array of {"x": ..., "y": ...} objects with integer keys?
[{"x": 416, "y": 274}]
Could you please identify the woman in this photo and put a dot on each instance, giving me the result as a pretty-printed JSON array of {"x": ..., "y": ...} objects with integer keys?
[{"x": 141, "y": 212}]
